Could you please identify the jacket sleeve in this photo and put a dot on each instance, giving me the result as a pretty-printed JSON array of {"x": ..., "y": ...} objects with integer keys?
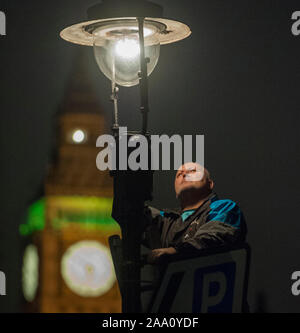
[
  {"x": 152, "y": 228},
  {"x": 151, "y": 223},
  {"x": 224, "y": 226}
]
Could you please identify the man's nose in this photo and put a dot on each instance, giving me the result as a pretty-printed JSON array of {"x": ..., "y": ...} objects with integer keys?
[{"x": 185, "y": 174}]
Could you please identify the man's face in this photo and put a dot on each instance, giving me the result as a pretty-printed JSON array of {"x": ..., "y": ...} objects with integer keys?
[{"x": 192, "y": 177}]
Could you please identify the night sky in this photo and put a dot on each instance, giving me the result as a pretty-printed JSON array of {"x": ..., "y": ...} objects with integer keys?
[{"x": 235, "y": 80}]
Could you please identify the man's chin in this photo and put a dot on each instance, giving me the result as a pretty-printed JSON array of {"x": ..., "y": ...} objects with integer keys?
[
  {"x": 192, "y": 189},
  {"x": 188, "y": 188}
]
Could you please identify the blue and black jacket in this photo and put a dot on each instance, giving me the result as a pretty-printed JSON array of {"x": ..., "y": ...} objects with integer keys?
[{"x": 215, "y": 223}]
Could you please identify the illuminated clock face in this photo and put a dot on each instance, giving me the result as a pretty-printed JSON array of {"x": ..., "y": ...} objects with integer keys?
[
  {"x": 87, "y": 268},
  {"x": 77, "y": 136},
  {"x": 30, "y": 273}
]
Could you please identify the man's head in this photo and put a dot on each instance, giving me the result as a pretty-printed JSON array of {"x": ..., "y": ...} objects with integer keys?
[{"x": 194, "y": 180}]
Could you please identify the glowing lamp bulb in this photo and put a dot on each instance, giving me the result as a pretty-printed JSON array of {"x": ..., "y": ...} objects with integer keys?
[
  {"x": 127, "y": 48},
  {"x": 117, "y": 51}
]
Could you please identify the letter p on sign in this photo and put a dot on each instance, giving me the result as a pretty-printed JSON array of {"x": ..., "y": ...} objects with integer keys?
[{"x": 214, "y": 288}]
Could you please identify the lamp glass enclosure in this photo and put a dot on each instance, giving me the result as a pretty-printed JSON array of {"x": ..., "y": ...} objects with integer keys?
[{"x": 117, "y": 50}]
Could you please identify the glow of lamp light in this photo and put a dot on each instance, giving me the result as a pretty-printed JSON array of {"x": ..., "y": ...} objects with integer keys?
[
  {"x": 78, "y": 136},
  {"x": 127, "y": 48}
]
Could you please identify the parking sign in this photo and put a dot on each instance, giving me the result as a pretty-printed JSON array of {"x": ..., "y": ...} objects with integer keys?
[{"x": 208, "y": 284}]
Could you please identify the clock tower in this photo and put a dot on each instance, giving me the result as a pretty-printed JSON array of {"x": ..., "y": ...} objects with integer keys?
[{"x": 67, "y": 266}]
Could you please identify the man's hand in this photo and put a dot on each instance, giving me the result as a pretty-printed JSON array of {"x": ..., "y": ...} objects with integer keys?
[{"x": 154, "y": 255}]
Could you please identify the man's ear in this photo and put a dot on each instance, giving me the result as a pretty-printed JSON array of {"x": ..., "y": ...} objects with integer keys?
[{"x": 211, "y": 184}]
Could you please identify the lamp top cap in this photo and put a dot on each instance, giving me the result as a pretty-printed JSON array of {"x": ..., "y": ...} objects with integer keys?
[
  {"x": 112, "y": 12},
  {"x": 124, "y": 8}
]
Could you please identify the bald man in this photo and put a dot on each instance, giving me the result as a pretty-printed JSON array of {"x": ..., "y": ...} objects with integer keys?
[{"x": 203, "y": 220}]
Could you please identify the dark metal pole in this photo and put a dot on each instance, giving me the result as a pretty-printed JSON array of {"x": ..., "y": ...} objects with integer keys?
[
  {"x": 132, "y": 228},
  {"x": 131, "y": 273},
  {"x": 131, "y": 190},
  {"x": 143, "y": 76}
]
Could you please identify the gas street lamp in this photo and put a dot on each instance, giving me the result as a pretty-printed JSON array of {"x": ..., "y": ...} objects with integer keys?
[{"x": 126, "y": 36}]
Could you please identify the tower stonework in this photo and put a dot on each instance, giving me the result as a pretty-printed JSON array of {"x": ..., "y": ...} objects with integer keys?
[{"x": 75, "y": 269}]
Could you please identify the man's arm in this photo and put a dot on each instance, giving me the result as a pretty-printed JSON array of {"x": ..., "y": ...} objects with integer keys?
[
  {"x": 151, "y": 237},
  {"x": 225, "y": 226},
  {"x": 156, "y": 254}
]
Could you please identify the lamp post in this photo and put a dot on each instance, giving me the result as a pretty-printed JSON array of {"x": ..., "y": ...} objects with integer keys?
[{"x": 126, "y": 36}]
